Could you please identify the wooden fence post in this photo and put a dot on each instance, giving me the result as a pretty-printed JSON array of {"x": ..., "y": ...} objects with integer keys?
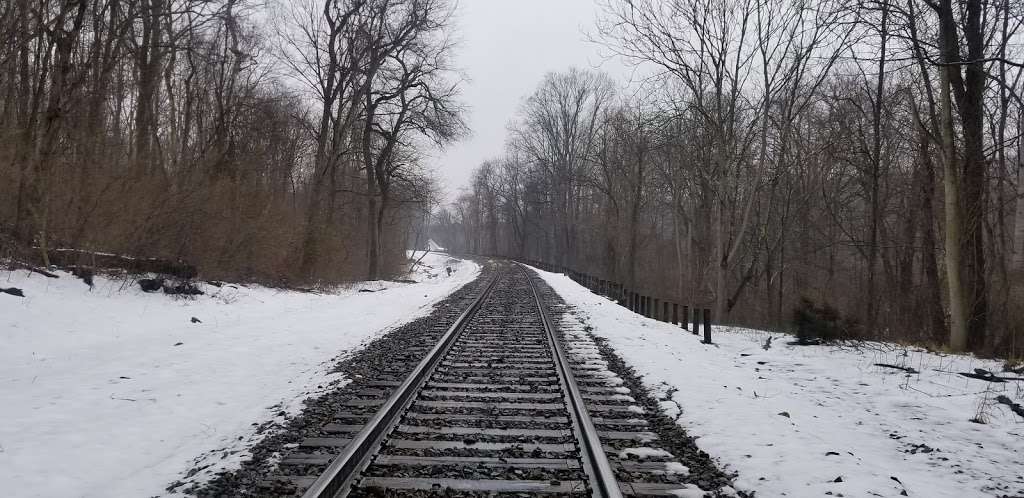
[
  {"x": 664, "y": 311},
  {"x": 686, "y": 317},
  {"x": 696, "y": 320},
  {"x": 655, "y": 309},
  {"x": 675, "y": 313}
]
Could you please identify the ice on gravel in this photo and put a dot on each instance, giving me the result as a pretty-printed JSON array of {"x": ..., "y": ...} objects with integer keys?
[
  {"x": 816, "y": 420},
  {"x": 689, "y": 491},
  {"x": 114, "y": 392},
  {"x": 676, "y": 468},
  {"x": 643, "y": 452}
]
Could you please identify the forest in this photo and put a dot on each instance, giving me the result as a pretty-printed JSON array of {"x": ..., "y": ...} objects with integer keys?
[
  {"x": 279, "y": 143},
  {"x": 865, "y": 156}
]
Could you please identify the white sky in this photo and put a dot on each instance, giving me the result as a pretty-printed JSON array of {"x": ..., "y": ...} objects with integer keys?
[{"x": 506, "y": 48}]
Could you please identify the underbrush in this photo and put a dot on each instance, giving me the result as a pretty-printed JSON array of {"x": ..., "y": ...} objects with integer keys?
[{"x": 816, "y": 324}]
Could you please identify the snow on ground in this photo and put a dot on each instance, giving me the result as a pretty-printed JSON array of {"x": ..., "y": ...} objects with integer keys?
[
  {"x": 114, "y": 392},
  {"x": 817, "y": 420}
]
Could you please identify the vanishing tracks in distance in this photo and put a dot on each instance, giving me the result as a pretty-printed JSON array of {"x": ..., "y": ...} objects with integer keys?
[{"x": 503, "y": 403}]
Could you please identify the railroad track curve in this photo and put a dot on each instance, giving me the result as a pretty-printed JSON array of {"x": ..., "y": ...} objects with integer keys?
[{"x": 502, "y": 404}]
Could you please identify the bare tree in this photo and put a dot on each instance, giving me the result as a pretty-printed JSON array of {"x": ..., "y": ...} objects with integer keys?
[{"x": 557, "y": 135}]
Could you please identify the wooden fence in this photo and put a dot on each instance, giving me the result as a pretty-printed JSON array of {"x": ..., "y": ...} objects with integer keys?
[{"x": 652, "y": 307}]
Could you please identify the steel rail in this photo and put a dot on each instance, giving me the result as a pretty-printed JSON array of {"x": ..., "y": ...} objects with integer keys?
[
  {"x": 595, "y": 463},
  {"x": 337, "y": 478}
]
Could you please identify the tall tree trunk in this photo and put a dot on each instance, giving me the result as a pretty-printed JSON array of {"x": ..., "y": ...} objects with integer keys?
[
  {"x": 26, "y": 120},
  {"x": 148, "y": 62},
  {"x": 935, "y": 315},
  {"x": 951, "y": 82},
  {"x": 379, "y": 235},
  {"x": 677, "y": 232},
  {"x": 1019, "y": 217},
  {"x": 314, "y": 228},
  {"x": 875, "y": 175},
  {"x": 372, "y": 219},
  {"x": 64, "y": 39},
  {"x": 951, "y": 188},
  {"x": 719, "y": 258},
  {"x": 634, "y": 227},
  {"x": 972, "y": 113}
]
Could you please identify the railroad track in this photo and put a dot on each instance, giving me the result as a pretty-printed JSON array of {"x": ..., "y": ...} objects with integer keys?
[{"x": 501, "y": 404}]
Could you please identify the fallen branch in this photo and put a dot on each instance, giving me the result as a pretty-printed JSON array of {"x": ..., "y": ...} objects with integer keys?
[
  {"x": 33, "y": 269},
  {"x": 897, "y": 367},
  {"x": 417, "y": 262},
  {"x": 78, "y": 257},
  {"x": 1016, "y": 407},
  {"x": 987, "y": 376}
]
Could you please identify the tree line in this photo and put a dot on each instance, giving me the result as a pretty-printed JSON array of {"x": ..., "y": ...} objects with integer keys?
[
  {"x": 866, "y": 155},
  {"x": 276, "y": 142}
]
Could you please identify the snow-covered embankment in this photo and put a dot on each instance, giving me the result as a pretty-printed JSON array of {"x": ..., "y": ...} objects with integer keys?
[
  {"x": 114, "y": 392},
  {"x": 817, "y": 420}
]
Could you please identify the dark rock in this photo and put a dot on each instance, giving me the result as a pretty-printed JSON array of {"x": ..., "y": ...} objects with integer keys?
[
  {"x": 196, "y": 320},
  {"x": 151, "y": 284},
  {"x": 85, "y": 274},
  {"x": 12, "y": 291},
  {"x": 784, "y": 414}
]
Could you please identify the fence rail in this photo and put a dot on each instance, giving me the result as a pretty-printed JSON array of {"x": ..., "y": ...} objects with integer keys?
[{"x": 663, "y": 310}]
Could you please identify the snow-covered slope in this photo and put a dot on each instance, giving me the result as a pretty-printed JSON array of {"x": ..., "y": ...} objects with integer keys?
[
  {"x": 114, "y": 392},
  {"x": 820, "y": 420}
]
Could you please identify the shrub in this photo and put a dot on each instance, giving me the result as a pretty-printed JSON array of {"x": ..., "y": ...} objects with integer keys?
[{"x": 819, "y": 324}]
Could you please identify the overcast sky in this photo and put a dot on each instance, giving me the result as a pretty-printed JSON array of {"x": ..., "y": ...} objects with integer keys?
[{"x": 506, "y": 48}]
